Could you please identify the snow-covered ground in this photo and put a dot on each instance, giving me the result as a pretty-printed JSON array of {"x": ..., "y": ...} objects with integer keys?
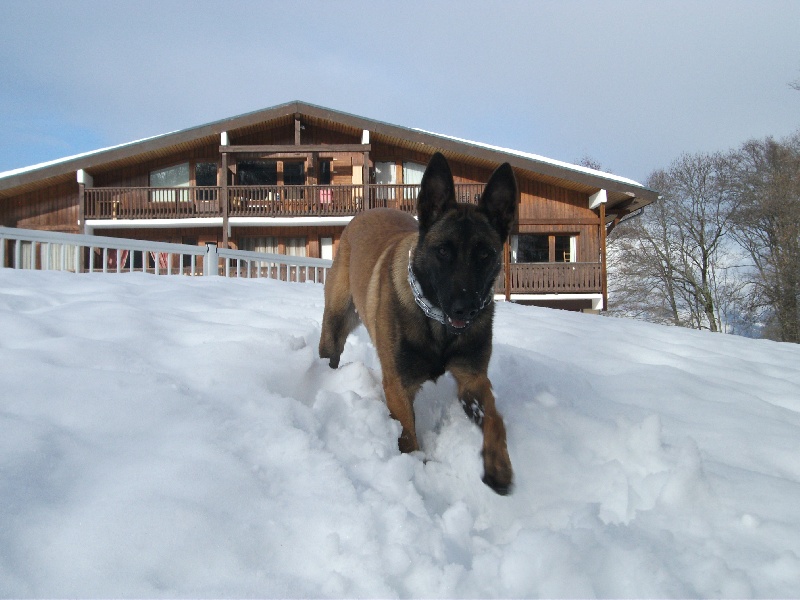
[{"x": 170, "y": 436}]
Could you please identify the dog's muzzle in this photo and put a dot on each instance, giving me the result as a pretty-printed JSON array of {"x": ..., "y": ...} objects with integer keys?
[{"x": 436, "y": 313}]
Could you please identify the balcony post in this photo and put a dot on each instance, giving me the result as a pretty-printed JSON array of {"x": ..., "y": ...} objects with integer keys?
[
  {"x": 365, "y": 181},
  {"x": 84, "y": 180},
  {"x": 603, "y": 270},
  {"x": 223, "y": 189},
  {"x": 598, "y": 201},
  {"x": 365, "y": 171}
]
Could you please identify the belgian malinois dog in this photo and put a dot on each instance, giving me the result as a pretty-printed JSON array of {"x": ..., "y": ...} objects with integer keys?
[{"x": 424, "y": 291}]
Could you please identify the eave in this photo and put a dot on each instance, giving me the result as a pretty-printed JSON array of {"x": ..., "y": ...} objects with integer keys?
[{"x": 619, "y": 191}]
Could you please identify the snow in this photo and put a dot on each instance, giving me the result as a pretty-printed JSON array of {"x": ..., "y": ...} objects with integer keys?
[
  {"x": 527, "y": 155},
  {"x": 66, "y": 159},
  {"x": 175, "y": 436},
  {"x": 538, "y": 158}
]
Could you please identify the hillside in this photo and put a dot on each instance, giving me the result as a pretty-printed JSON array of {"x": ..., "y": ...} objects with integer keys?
[{"x": 180, "y": 437}]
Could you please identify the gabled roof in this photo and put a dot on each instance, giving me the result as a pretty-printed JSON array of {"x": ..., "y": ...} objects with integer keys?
[{"x": 571, "y": 176}]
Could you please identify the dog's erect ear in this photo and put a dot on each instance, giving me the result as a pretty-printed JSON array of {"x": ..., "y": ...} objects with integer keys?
[
  {"x": 437, "y": 193},
  {"x": 499, "y": 199}
]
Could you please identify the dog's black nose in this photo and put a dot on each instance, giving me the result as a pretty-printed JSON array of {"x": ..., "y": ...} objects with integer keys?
[{"x": 462, "y": 310}]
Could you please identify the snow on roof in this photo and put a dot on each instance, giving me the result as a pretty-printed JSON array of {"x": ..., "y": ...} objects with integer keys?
[
  {"x": 509, "y": 151},
  {"x": 67, "y": 159},
  {"x": 537, "y": 158}
]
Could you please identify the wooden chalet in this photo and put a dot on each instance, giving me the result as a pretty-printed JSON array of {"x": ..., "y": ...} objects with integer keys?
[{"x": 288, "y": 179}]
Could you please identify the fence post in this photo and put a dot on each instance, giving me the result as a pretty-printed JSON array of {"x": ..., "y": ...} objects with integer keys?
[{"x": 211, "y": 261}]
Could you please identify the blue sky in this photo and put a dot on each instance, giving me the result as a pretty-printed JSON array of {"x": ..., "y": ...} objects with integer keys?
[{"x": 630, "y": 84}]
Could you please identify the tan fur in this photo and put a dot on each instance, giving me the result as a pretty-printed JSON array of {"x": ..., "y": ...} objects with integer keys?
[{"x": 369, "y": 280}]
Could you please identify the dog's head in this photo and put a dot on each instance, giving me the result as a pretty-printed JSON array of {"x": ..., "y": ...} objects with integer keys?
[{"x": 460, "y": 248}]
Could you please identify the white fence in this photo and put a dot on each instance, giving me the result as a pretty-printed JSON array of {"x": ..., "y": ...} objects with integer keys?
[{"x": 31, "y": 249}]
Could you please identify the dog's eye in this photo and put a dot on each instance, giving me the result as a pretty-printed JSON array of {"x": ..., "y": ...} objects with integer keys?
[
  {"x": 443, "y": 251},
  {"x": 485, "y": 253}
]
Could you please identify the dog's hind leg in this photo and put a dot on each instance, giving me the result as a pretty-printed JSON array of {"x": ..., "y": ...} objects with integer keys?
[
  {"x": 337, "y": 323},
  {"x": 475, "y": 395},
  {"x": 339, "y": 317}
]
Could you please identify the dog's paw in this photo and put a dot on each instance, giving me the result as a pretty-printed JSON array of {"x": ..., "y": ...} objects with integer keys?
[
  {"x": 501, "y": 486},
  {"x": 497, "y": 471}
]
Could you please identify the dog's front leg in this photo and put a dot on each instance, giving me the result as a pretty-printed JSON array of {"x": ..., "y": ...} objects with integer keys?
[
  {"x": 475, "y": 395},
  {"x": 400, "y": 402}
]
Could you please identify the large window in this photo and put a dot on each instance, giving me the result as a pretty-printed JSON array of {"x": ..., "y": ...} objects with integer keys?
[
  {"x": 412, "y": 175},
  {"x": 294, "y": 173},
  {"x": 530, "y": 249},
  {"x": 295, "y": 246},
  {"x": 385, "y": 174},
  {"x": 257, "y": 172},
  {"x": 540, "y": 248},
  {"x": 170, "y": 177},
  {"x": 175, "y": 176},
  {"x": 266, "y": 244},
  {"x": 205, "y": 174}
]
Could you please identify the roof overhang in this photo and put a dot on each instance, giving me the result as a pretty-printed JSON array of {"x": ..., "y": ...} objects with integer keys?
[{"x": 622, "y": 194}]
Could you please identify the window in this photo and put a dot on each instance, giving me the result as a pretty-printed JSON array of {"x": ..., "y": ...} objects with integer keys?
[
  {"x": 257, "y": 172},
  {"x": 530, "y": 248},
  {"x": 326, "y": 248},
  {"x": 325, "y": 175},
  {"x": 564, "y": 246},
  {"x": 296, "y": 246},
  {"x": 540, "y": 248},
  {"x": 412, "y": 175},
  {"x": 385, "y": 174},
  {"x": 205, "y": 174},
  {"x": 268, "y": 244},
  {"x": 59, "y": 256},
  {"x": 294, "y": 173},
  {"x": 176, "y": 176},
  {"x": 170, "y": 177}
]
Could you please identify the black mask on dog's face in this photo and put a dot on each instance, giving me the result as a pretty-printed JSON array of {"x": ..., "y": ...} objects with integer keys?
[{"x": 459, "y": 252}]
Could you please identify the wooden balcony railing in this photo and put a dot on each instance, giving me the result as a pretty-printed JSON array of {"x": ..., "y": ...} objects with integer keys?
[
  {"x": 255, "y": 201},
  {"x": 553, "y": 278},
  {"x": 151, "y": 203},
  {"x": 295, "y": 200}
]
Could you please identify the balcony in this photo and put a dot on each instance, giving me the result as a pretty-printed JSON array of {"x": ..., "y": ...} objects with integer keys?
[
  {"x": 255, "y": 201},
  {"x": 553, "y": 278},
  {"x": 132, "y": 203}
]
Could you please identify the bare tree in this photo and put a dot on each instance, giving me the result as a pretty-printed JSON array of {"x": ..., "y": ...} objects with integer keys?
[
  {"x": 768, "y": 228},
  {"x": 672, "y": 264}
]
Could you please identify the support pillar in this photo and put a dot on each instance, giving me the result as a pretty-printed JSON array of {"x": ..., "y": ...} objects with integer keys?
[
  {"x": 223, "y": 189},
  {"x": 603, "y": 267}
]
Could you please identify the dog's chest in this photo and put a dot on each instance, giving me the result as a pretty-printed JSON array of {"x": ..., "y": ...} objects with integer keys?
[
  {"x": 426, "y": 358},
  {"x": 418, "y": 362}
]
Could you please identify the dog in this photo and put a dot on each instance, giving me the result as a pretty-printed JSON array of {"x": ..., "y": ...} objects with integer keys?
[{"x": 424, "y": 290}]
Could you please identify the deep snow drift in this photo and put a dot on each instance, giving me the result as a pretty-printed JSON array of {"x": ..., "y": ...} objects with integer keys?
[{"x": 170, "y": 436}]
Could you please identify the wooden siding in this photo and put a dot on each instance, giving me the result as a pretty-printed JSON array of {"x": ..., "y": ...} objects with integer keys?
[
  {"x": 122, "y": 191},
  {"x": 548, "y": 209},
  {"x": 52, "y": 209}
]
